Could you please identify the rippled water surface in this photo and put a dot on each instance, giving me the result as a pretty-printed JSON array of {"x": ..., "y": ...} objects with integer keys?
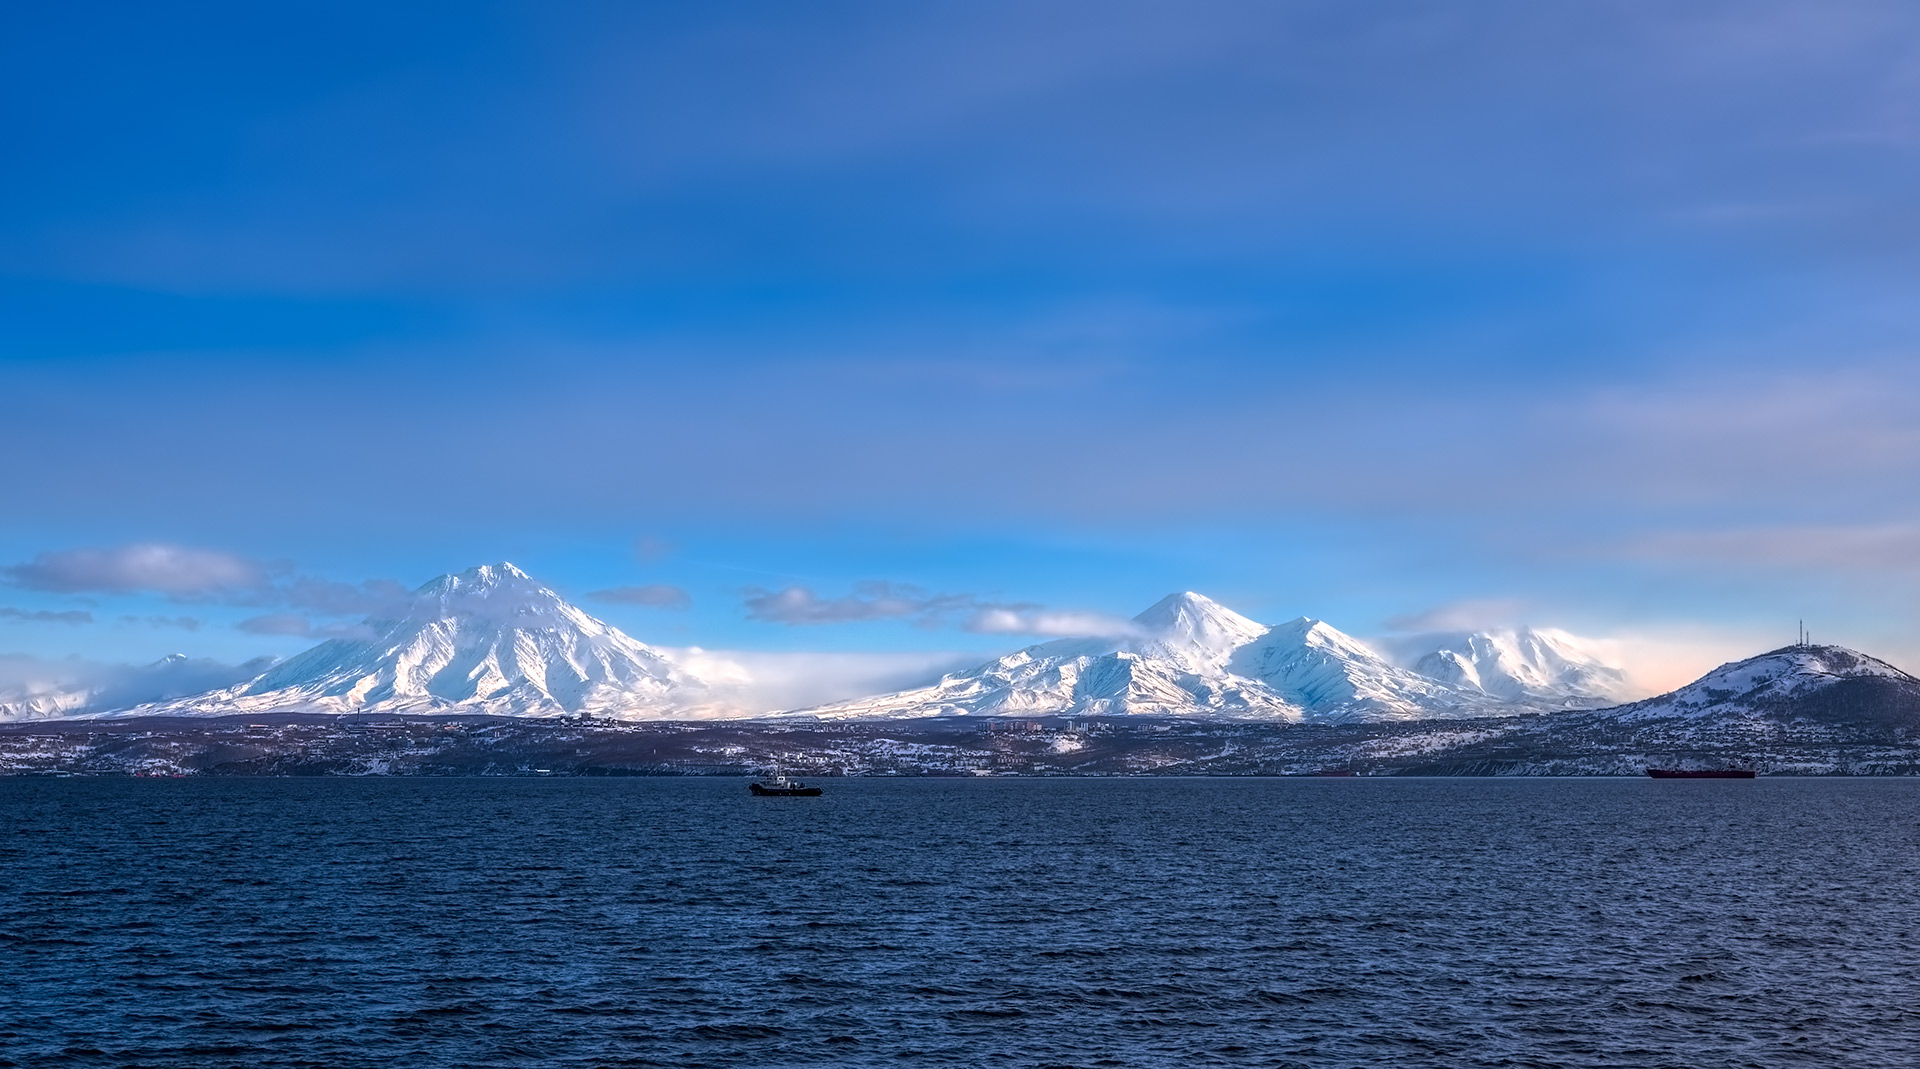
[{"x": 959, "y": 922}]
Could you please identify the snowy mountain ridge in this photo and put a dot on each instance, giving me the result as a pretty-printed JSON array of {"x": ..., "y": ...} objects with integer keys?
[
  {"x": 487, "y": 640},
  {"x": 493, "y": 640},
  {"x": 1191, "y": 656},
  {"x": 1541, "y": 666},
  {"x": 1173, "y": 664}
]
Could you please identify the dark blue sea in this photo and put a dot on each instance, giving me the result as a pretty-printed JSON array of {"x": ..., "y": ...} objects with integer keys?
[{"x": 680, "y": 922}]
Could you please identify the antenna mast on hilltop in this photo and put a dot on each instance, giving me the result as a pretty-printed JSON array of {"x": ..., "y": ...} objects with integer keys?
[{"x": 1802, "y": 640}]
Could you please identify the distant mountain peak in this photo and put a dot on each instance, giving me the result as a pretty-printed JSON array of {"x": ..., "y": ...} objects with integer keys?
[
  {"x": 1318, "y": 666},
  {"x": 500, "y": 572},
  {"x": 1191, "y": 657},
  {"x": 1184, "y": 605},
  {"x": 1542, "y": 665},
  {"x": 481, "y": 580},
  {"x": 1196, "y": 622},
  {"x": 490, "y": 639}
]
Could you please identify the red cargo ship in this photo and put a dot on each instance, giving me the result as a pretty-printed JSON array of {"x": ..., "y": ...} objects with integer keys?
[{"x": 1692, "y": 773}]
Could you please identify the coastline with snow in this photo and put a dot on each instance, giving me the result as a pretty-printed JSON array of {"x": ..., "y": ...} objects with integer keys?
[
  {"x": 488, "y": 672},
  {"x": 1586, "y": 744}
]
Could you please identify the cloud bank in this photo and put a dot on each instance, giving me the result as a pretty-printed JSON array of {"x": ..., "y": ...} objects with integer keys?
[
  {"x": 75, "y": 685},
  {"x": 46, "y": 616},
  {"x": 799, "y": 606},
  {"x": 142, "y": 567},
  {"x": 197, "y": 575},
  {"x": 766, "y": 681}
]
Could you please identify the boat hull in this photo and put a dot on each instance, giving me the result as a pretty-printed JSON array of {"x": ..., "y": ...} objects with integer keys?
[
  {"x": 1684, "y": 773},
  {"x": 783, "y": 792}
]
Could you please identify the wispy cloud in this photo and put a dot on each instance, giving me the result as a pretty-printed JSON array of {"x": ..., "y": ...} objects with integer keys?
[
  {"x": 183, "y": 623},
  {"x": 279, "y": 623},
  {"x": 877, "y": 600},
  {"x": 293, "y": 623},
  {"x": 327, "y": 597},
  {"x": 1661, "y": 657},
  {"x": 654, "y": 596},
  {"x": 798, "y": 605},
  {"x": 1472, "y": 614},
  {"x": 46, "y": 616},
  {"x": 768, "y": 681},
  {"x": 145, "y": 567},
  {"x": 199, "y": 575},
  {"x": 1869, "y": 548},
  {"x": 1033, "y": 620},
  {"x": 117, "y": 686}
]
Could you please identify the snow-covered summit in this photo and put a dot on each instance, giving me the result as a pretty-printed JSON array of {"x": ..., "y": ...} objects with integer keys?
[
  {"x": 490, "y": 639},
  {"x": 1171, "y": 662},
  {"x": 1542, "y": 666},
  {"x": 493, "y": 639},
  {"x": 1192, "y": 631},
  {"x": 498, "y": 587},
  {"x": 1187, "y": 655},
  {"x": 1319, "y": 667}
]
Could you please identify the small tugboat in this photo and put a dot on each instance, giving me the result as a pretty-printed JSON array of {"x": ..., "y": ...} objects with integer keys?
[
  {"x": 1701, "y": 773},
  {"x": 779, "y": 786}
]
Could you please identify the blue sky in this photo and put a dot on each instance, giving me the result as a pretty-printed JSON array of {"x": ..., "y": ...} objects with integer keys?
[{"x": 1397, "y": 315}]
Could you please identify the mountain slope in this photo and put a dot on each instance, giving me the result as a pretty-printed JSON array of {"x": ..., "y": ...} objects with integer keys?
[
  {"x": 1826, "y": 683},
  {"x": 1322, "y": 669},
  {"x": 488, "y": 640},
  {"x": 1538, "y": 666},
  {"x": 1172, "y": 663},
  {"x": 1190, "y": 656}
]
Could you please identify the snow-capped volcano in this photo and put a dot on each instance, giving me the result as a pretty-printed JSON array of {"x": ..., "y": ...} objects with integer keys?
[
  {"x": 1172, "y": 662},
  {"x": 1320, "y": 668},
  {"x": 1539, "y": 666},
  {"x": 1827, "y": 682},
  {"x": 488, "y": 640},
  {"x": 1189, "y": 656},
  {"x": 493, "y": 640},
  {"x": 1194, "y": 633}
]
